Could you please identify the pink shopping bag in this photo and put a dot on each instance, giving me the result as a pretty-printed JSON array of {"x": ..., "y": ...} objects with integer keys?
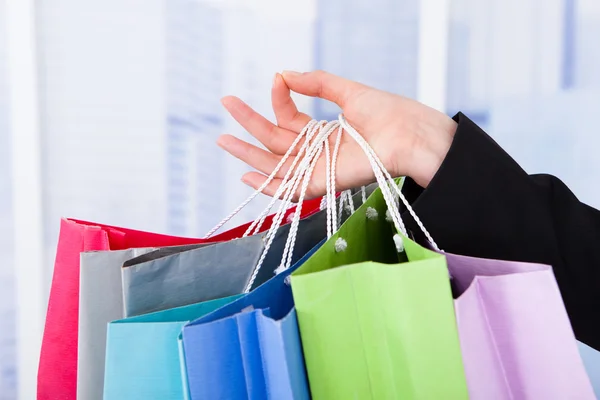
[{"x": 516, "y": 338}]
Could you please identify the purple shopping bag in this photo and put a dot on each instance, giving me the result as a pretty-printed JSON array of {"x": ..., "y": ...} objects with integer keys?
[{"x": 516, "y": 338}]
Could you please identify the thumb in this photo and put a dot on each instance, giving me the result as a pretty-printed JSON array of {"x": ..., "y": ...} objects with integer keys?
[{"x": 324, "y": 85}]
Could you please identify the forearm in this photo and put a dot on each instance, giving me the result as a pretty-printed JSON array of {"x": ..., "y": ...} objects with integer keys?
[{"x": 481, "y": 203}]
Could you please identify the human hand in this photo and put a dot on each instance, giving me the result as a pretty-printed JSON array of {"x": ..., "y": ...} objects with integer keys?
[{"x": 410, "y": 138}]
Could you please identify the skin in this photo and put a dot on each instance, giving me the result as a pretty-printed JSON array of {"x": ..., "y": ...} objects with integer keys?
[{"x": 410, "y": 138}]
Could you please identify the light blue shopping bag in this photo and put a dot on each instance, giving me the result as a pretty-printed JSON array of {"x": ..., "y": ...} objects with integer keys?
[
  {"x": 142, "y": 353},
  {"x": 591, "y": 360}
]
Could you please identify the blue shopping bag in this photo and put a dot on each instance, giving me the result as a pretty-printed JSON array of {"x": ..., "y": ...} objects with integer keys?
[
  {"x": 142, "y": 353},
  {"x": 250, "y": 348}
]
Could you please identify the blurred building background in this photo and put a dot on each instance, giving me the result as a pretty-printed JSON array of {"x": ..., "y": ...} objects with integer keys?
[
  {"x": 8, "y": 371},
  {"x": 529, "y": 73},
  {"x": 127, "y": 107},
  {"x": 373, "y": 42}
]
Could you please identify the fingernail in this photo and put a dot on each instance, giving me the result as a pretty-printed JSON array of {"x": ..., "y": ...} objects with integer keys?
[
  {"x": 290, "y": 73},
  {"x": 275, "y": 78},
  {"x": 226, "y": 101},
  {"x": 221, "y": 141}
]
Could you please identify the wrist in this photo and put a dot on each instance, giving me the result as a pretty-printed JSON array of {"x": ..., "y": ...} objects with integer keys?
[{"x": 433, "y": 138}]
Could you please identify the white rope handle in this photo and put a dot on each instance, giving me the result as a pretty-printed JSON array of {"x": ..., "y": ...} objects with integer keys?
[
  {"x": 379, "y": 168},
  {"x": 295, "y": 180},
  {"x": 327, "y": 130},
  {"x": 330, "y": 217},
  {"x": 275, "y": 226},
  {"x": 384, "y": 186},
  {"x": 305, "y": 170},
  {"x": 286, "y": 259},
  {"x": 291, "y": 239},
  {"x": 350, "y": 205},
  {"x": 336, "y": 151},
  {"x": 285, "y": 184},
  {"x": 304, "y": 131},
  {"x": 340, "y": 211}
]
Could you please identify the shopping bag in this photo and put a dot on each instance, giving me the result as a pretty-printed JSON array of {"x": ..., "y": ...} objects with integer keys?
[
  {"x": 252, "y": 347},
  {"x": 516, "y": 338},
  {"x": 57, "y": 371},
  {"x": 189, "y": 276},
  {"x": 161, "y": 252},
  {"x": 251, "y": 343},
  {"x": 372, "y": 326},
  {"x": 142, "y": 353},
  {"x": 100, "y": 302},
  {"x": 591, "y": 360},
  {"x": 210, "y": 272}
]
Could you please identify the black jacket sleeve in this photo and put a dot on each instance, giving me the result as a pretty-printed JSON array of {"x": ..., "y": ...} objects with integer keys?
[{"x": 482, "y": 204}]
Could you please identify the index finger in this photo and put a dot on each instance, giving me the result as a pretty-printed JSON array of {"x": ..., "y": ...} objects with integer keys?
[
  {"x": 324, "y": 85},
  {"x": 285, "y": 109}
]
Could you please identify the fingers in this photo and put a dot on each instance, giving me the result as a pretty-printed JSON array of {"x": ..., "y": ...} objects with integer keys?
[
  {"x": 273, "y": 138},
  {"x": 324, "y": 85},
  {"x": 254, "y": 156},
  {"x": 256, "y": 179},
  {"x": 285, "y": 109}
]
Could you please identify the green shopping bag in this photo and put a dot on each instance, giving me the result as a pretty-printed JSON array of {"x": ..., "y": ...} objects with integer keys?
[{"x": 375, "y": 323}]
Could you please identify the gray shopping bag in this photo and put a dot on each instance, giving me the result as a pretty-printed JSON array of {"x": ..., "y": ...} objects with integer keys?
[
  {"x": 162, "y": 252},
  {"x": 216, "y": 270},
  {"x": 189, "y": 276},
  {"x": 100, "y": 302}
]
